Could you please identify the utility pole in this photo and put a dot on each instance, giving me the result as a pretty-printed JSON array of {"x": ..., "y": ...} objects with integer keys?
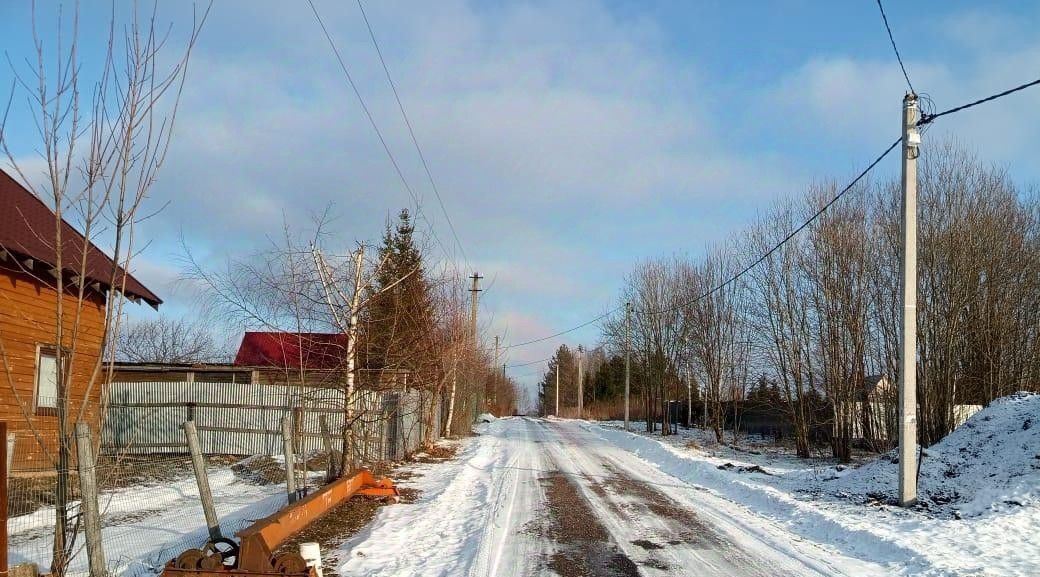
[
  {"x": 494, "y": 375},
  {"x": 908, "y": 351},
  {"x": 474, "y": 293},
  {"x": 628, "y": 355},
  {"x": 557, "y": 413},
  {"x": 581, "y": 384},
  {"x": 474, "y": 297}
]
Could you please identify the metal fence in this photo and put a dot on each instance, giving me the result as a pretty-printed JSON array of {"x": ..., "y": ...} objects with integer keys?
[
  {"x": 148, "y": 500},
  {"x": 245, "y": 418}
]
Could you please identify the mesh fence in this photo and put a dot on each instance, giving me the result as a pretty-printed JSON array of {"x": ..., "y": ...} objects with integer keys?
[{"x": 148, "y": 496}]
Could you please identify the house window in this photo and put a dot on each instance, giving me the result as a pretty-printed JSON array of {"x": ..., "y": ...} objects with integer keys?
[{"x": 46, "y": 381}]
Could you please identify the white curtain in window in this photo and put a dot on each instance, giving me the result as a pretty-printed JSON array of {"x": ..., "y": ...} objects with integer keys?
[{"x": 47, "y": 381}]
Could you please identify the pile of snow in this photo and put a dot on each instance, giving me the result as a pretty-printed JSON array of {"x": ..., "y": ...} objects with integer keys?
[
  {"x": 990, "y": 463},
  {"x": 486, "y": 418}
]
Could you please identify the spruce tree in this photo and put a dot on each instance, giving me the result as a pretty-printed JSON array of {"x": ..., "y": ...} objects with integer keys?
[{"x": 400, "y": 318}]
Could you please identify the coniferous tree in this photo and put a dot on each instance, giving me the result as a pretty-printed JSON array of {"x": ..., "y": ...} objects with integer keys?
[{"x": 400, "y": 320}]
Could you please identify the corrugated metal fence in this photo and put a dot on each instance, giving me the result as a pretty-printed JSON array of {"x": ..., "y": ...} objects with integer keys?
[{"x": 245, "y": 418}]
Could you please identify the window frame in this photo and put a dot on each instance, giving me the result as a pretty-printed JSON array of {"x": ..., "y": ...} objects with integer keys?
[{"x": 52, "y": 351}]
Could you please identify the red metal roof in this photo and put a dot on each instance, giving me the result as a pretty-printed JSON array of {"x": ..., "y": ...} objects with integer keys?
[
  {"x": 292, "y": 350},
  {"x": 27, "y": 229}
]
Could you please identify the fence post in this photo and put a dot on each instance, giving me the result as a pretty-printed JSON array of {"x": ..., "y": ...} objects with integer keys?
[
  {"x": 330, "y": 452},
  {"x": 290, "y": 461},
  {"x": 88, "y": 501},
  {"x": 299, "y": 443},
  {"x": 5, "y": 464},
  {"x": 198, "y": 462}
]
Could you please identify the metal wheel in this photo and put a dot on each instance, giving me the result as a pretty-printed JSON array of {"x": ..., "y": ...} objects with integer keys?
[{"x": 225, "y": 548}]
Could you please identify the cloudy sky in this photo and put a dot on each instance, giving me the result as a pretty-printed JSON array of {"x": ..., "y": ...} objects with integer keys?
[{"x": 569, "y": 140}]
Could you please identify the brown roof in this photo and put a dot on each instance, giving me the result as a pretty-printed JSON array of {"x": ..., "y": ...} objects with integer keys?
[{"x": 27, "y": 229}]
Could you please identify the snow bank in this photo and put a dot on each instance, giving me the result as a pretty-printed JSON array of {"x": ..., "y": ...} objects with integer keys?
[{"x": 989, "y": 464}]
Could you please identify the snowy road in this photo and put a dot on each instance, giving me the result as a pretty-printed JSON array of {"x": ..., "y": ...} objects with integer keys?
[{"x": 536, "y": 497}]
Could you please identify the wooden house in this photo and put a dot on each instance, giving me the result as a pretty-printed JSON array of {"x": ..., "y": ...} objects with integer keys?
[{"x": 29, "y": 318}]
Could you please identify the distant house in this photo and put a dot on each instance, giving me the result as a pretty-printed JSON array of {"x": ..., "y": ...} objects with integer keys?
[
  {"x": 270, "y": 358},
  {"x": 314, "y": 357},
  {"x": 29, "y": 319},
  {"x": 876, "y": 412},
  {"x": 877, "y": 408}
]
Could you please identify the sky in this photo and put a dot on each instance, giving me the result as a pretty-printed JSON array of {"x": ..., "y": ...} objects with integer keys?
[{"x": 568, "y": 140}]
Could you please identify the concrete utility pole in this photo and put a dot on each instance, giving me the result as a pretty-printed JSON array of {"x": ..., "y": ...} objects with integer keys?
[
  {"x": 557, "y": 413},
  {"x": 908, "y": 351},
  {"x": 628, "y": 354},
  {"x": 581, "y": 384}
]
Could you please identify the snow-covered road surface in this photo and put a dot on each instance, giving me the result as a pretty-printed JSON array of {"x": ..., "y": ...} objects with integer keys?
[{"x": 537, "y": 497}]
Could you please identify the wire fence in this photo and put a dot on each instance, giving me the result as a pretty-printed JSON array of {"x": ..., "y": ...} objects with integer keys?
[{"x": 148, "y": 497}]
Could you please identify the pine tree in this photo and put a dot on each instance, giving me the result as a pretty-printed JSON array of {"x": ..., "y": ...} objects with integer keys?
[{"x": 400, "y": 321}]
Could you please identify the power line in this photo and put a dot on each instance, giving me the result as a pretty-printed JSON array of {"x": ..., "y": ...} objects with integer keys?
[
  {"x": 928, "y": 118},
  {"x": 925, "y": 119},
  {"x": 744, "y": 271},
  {"x": 411, "y": 132},
  {"x": 789, "y": 236},
  {"x": 529, "y": 363},
  {"x": 561, "y": 333},
  {"x": 894, "y": 48},
  {"x": 375, "y": 126}
]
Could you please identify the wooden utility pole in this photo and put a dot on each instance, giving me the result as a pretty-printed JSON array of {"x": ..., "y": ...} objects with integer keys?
[
  {"x": 494, "y": 378},
  {"x": 628, "y": 354},
  {"x": 908, "y": 350},
  {"x": 581, "y": 384},
  {"x": 474, "y": 299}
]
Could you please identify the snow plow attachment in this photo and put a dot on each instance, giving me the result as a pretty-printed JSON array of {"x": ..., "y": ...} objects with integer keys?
[{"x": 254, "y": 554}]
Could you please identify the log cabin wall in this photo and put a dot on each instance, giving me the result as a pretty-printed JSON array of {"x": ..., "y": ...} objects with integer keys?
[{"x": 28, "y": 325}]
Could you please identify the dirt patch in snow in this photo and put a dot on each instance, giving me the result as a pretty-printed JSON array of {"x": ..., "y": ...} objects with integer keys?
[
  {"x": 690, "y": 528},
  {"x": 438, "y": 453},
  {"x": 585, "y": 548}
]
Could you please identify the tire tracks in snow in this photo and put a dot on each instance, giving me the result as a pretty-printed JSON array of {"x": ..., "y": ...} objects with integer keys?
[
  {"x": 517, "y": 497},
  {"x": 651, "y": 515}
]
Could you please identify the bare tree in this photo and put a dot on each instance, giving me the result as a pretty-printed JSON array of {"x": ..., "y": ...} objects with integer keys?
[
  {"x": 780, "y": 317},
  {"x": 717, "y": 332},
  {"x": 103, "y": 142},
  {"x": 166, "y": 340}
]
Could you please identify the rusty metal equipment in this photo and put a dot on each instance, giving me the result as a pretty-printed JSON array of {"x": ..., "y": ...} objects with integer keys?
[{"x": 254, "y": 555}]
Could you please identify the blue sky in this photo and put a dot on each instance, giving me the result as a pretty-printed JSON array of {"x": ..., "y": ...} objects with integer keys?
[{"x": 569, "y": 139}]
